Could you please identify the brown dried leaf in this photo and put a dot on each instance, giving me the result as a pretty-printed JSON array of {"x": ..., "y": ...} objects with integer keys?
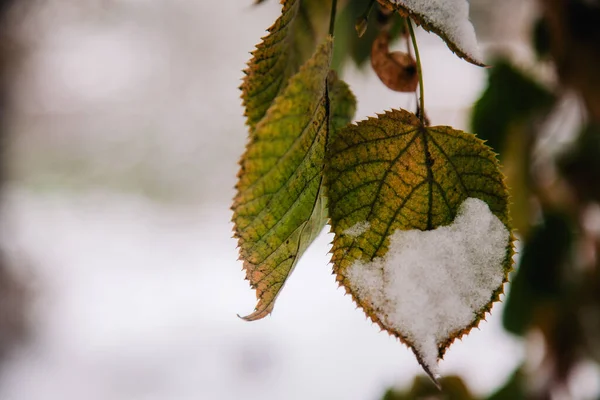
[{"x": 397, "y": 70}]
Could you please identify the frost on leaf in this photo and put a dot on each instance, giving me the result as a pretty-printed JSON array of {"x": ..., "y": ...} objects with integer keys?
[
  {"x": 438, "y": 245},
  {"x": 449, "y": 19},
  {"x": 279, "y": 208}
]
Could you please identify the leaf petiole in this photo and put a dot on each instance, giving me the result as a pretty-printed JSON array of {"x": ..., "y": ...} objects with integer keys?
[
  {"x": 413, "y": 37},
  {"x": 332, "y": 17}
]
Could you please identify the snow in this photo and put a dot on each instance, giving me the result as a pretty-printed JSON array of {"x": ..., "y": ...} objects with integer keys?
[
  {"x": 430, "y": 284},
  {"x": 358, "y": 229},
  {"x": 452, "y": 18}
]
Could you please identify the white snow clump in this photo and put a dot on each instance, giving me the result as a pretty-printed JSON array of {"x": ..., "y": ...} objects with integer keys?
[
  {"x": 452, "y": 18},
  {"x": 431, "y": 284}
]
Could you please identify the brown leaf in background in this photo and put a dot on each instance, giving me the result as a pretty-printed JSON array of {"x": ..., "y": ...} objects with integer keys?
[{"x": 397, "y": 70}]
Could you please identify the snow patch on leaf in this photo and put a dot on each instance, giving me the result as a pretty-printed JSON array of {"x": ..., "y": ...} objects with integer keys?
[
  {"x": 358, "y": 229},
  {"x": 432, "y": 284},
  {"x": 451, "y": 18}
]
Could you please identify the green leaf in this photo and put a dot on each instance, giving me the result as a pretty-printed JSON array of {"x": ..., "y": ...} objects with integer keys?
[
  {"x": 539, "y": 279},
  {"x": 279, "y": 208},
  {"x": 342, "y": 103},
  {"x": 511, "y": 98},
  {"x": 389, "y": 179},
  {"x": 291, "y": 41},
  {"x": 505, "y": 116},
  {"x": 447, "y": 19}
]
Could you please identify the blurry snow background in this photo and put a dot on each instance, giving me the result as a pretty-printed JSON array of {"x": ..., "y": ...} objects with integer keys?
[{"x": 125, "y": 132}]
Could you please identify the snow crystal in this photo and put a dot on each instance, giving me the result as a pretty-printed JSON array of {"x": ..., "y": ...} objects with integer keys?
[
  {"x": 431, "y": 284},
  {"x": 358, "y": 229},
  {"x": 452, "y": 18}
]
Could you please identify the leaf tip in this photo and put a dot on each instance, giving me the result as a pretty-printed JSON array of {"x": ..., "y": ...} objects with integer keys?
[{"x": 259, "y": 313}]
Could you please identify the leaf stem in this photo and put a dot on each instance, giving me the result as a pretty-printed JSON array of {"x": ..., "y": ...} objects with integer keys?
[
  {"x": 332, "y": 17},
  {"x": 365, "y": 15},
  {"x": 419, "y": 71},
  {"x": 370, "y": 8}
]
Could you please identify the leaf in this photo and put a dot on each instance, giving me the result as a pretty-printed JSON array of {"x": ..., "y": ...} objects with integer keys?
[
  {"x": 511, "y": 97},
  {"x": 516, "y": 168},
  {"x": 449, "y": 19},
  {"x": 291, "y": 41},
  {"x": 342, "y": 103},
  {"x": 415, "y": 242},
  {"x": 539, "y": 279},
  {"x": 279, "y": 208},
  {"x": 397, "y": 70},
  {"x": 505, "y": 117}
]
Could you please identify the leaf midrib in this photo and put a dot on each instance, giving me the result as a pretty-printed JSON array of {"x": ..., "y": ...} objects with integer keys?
[{"x": 422, "y": 133}]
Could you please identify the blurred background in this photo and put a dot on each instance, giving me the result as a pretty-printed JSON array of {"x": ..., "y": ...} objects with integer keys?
[{"x": 122, "y": 126}]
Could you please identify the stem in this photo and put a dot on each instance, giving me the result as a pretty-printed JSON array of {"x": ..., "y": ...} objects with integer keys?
[
  {"x": 332, "y": 17},
  {"x": 367, "y": 12},
  {"x": 419, "y": 70}
]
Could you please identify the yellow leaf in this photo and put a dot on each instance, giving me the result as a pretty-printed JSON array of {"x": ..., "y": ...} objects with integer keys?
[{"x": 422, "y": 235}]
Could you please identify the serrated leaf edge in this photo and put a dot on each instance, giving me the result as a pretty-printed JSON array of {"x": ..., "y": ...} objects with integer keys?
[{"x": 508, "y": 266}]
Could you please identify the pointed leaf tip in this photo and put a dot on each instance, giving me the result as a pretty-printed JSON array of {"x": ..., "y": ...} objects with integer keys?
[{"x": 260, "y": 312}]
